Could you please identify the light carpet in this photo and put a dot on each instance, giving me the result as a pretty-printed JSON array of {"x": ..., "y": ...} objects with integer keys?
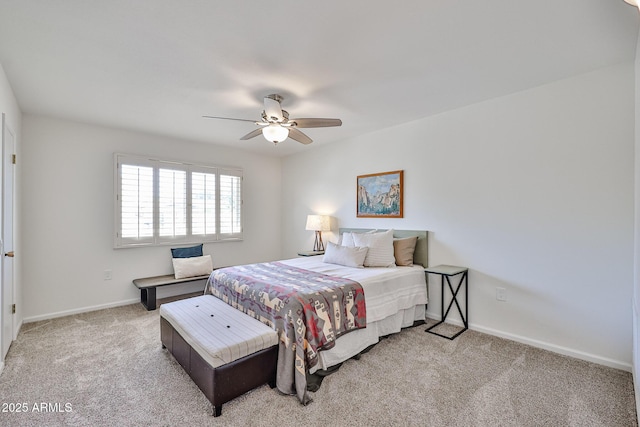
[{"x": 107, "y": 368}]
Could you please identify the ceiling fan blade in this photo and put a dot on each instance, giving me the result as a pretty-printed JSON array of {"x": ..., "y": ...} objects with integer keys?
[
  {"x": 299, "y": 136},
  {"x": 252, "y": 134},
  {"x": 229, "y": 118},
  {"x": 316, "y": 123},
  {"x": 272, "y": 109}
]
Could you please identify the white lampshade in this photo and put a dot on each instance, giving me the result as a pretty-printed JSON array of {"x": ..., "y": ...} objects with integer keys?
[
  {"x": 633, "y": 3},
  {"x": 318, "y": 222},
  {"x": 275, "y": 133}
]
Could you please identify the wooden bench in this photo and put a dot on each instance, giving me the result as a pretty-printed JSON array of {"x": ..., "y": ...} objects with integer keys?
[
  {"x": 225, "y": 352},
  {"x": 148, "y": 285}
]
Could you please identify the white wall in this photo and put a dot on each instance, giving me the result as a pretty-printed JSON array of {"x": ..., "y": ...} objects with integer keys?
[
  {"x": 532, "y": 191},
  {"x": 9, "y": 106},
  {"x": 68, "y": 214}
]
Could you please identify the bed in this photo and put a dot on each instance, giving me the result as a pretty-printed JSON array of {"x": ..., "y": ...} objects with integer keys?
[{"x": 343, "y": 311}]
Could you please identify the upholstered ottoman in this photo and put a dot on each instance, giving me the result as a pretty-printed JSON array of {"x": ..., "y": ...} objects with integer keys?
[{"x": 224, "y": 351}]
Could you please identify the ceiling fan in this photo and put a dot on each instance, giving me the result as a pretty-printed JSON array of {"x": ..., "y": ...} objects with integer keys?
[{"x": 276, "y": 125}]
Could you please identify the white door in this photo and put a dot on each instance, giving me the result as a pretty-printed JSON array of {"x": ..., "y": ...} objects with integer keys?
[{"x": 6, "y": 246}]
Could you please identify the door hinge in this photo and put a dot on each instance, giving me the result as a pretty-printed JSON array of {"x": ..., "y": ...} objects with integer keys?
[
  {"x": 13, "y": 159},
  {"x": 13, "y": 309}
]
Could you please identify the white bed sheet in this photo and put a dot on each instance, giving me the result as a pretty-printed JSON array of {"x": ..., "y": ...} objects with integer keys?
[{"x": 395, "y": 298}]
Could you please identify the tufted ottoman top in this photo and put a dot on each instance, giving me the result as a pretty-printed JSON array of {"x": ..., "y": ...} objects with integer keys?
[{"x": 217, "y": 331}]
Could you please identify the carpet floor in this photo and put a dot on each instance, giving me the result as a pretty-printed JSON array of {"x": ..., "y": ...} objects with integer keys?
[{"x": 107, "y": 368}]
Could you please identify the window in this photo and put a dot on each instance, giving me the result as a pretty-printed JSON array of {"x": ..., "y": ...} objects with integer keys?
[{"x": 161, "y": 202}]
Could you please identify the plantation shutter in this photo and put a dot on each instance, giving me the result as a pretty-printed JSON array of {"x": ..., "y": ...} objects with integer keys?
[
  {"x": 230, "y": 203},
  {"x": 135, "y": 203},
  {"x": 167, "y": 202},
  {"x": 172, "y": 202},
  {"x": 203, "y": 202}
]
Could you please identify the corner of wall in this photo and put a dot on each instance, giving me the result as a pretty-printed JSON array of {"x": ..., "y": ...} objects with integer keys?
[{"x": 635, "y": 357}]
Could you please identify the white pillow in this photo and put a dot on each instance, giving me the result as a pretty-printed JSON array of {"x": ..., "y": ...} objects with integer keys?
[
  {"x": 347, "y": 239},
  {"x": 380, "y": 246},
  {"x": 193, "y": 266},
  {"x": 344, "y": 255}
]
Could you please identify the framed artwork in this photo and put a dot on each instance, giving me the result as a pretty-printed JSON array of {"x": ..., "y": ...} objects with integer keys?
[{"x": 380, "y": 195}]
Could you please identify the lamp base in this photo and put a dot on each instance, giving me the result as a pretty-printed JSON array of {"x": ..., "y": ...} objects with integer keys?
[{"x": 318, "y": 245}]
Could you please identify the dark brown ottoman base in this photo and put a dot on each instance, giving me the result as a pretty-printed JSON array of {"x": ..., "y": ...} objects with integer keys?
[{"x": 225, "y": 382}]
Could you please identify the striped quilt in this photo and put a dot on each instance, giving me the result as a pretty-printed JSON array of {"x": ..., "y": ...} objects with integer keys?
[{"x": 309, "y": 311}]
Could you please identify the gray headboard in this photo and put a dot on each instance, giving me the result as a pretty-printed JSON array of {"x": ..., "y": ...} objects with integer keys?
[{"x": 420, "y": 256}]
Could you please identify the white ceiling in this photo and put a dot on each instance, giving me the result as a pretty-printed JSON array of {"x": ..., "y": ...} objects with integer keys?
[{"x": 158, "y": 65}]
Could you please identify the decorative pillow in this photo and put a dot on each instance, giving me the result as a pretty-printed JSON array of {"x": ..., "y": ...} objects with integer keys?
[
  {"x": 344, "y": 255},
  {"x": 187, "y": 252},
  {"x": 192, "y": 266},
  {"x": 403, "y": 250},
  {"x": 380, "y": 253}
]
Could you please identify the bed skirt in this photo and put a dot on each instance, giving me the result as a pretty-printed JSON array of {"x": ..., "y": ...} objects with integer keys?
[{"x": 353, "y": 343}]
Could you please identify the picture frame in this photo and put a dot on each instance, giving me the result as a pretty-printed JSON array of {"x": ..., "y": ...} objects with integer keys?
[{"x": 380, "y": 195}]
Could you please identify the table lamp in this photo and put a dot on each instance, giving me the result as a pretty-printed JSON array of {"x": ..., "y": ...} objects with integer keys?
[{"x": 318, "y": 223}]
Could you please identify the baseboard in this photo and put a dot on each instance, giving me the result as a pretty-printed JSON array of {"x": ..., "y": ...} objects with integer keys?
[
  {"x": 543, "y": 345},
  {"x": 78, "y": 311},
  {"x": 518, "y": 338},
  {"x": 636, "y": 353},
  {"x": 17, "y": 331}
]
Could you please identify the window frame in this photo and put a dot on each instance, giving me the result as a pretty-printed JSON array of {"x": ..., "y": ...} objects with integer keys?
[{"x": 190, "y": 168}]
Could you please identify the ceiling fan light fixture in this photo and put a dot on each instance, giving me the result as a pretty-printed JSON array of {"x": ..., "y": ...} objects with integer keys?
[
  {"x": 276, "y": 125},
  {"x": 275, "y": 133}
]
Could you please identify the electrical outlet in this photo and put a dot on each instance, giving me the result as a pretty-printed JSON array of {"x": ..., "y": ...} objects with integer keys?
[
  {"x": 501, "y": 294},
  {"x": 107, "y": 275}
]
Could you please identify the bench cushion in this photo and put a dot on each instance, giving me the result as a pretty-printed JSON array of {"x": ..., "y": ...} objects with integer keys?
[{"x": 217, "y": 331}]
